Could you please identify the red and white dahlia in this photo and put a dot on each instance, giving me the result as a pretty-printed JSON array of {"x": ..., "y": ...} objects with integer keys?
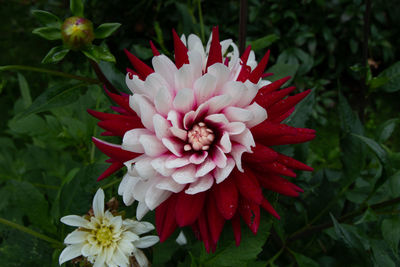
[{"x": 197, "y": 135}]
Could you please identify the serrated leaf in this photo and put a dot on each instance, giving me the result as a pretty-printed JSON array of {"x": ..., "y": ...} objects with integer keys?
[
  {"x": 49, "y": 33},
  {"x": 263, "y": 42},
  {"x": 393, "y": 75},
  {"x": 98, "y": 53},
  {"x": 391, "y": 232},
  {"x": 56, "y": 96},
  {"x": 105, "y": 30},
  {"x": 47, "y": 18},
  {"x": 25, "y": 91},
  {"x": 76, "y": 7},
  {"x": 55, "y": 54}
]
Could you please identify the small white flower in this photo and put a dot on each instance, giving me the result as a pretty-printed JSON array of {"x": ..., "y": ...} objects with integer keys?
[{"x": 105, "y": 239}]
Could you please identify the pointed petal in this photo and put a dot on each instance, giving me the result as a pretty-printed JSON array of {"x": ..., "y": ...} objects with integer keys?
[
  {"x": 226, "y": 197},
  {"x": 181, "y": 51},
  {"x": 188, "y": 208},
  {"x": 142, "y": 69}
]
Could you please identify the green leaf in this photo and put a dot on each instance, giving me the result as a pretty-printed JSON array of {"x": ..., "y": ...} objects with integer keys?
[
  {"x": 304, "y": 261},
  {"x": 55, "y": 54},
  {"x": 47, "y": 18},
  {"x": 376, "y": 148},
  {"x": 263, "y": 42},
  {"x": 281, "y": 70},
  {"x": 105, "y": 30},
  {"x": 391, "y": 232},
  {"x": 116, "y": 77},
  {"x": 393, "y": 75},
  {"x": 394, "y": 182},
  {"x": 368, "y": 216},
  {"x": 381, "y": 255},
  {"x": 56, "y": 96},
  {"x": 98, "y": 53},
  {"x": 303, "y": 111},
  {"x": 386, "y": 129},
  {"x": 49, "y": 33},
  {"x": 76, "y": 7},
  {"x": 25, "y": 91},
  {"x": 349, "y": 238}
]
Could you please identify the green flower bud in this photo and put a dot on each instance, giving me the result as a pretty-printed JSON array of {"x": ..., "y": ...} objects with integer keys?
[{"x": 77, "y": 32}]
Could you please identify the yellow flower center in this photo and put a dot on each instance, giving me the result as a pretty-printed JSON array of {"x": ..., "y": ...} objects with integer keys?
[{"x": 104, "y": 235}]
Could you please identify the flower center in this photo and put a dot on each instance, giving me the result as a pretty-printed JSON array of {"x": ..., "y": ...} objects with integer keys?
[
  {"x": 199, "y": 137},
  {"x": 104, "y": 235}
]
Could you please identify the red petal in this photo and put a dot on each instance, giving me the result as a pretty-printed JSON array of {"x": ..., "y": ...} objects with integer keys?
[
  {"x": 120, "y": 127},
  {"x": 245, "y": 55},
  {"x": 287, "y": 139},
  {"x": 273, "y": 86},
  {"x": 280, "y": 118},
  {"x": 267, "y": 129},
  {"x": 188, "y": 208},
  {"x": 226, "y": 197},
  {"x": 107, "y": 116},
  {"x": 204, "y": 232},
  {"x": 215, "y": 220},
  {"x": 267, "y": 100},
  {"x": 292, "y": 163},
  {"x": 141, "y": 68},
  {"x": 247, "y": 185},
  {"x": 250, "y": 213},
  {"x": 261, "y": 154},
  {"x": 268, "y": 207},
  {"x": 215, "y": 54},
  {"x": 273, "y": 167},
  {"x": 115, "y": 166},
  {"x": 181, "y": 50},
  {"x": 259, "y": 70},
  {"x": 114, "y": 151},
  {"x": 154, "y": 49},
  {"x": 285, "y": 105},
  {"x": 278, "y": 184},
  {"x": 237, "y": 231},
  {"x": 165, "y": 219},
  {"x": 122, "y": 101}
]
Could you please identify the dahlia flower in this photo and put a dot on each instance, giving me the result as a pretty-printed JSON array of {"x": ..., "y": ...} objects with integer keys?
[
  {"x": 197, "y": 136},
  {"x": 105, "y": 239}
]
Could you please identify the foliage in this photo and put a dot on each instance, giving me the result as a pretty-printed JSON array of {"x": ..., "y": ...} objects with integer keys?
[{"x": 350, "y": 205}]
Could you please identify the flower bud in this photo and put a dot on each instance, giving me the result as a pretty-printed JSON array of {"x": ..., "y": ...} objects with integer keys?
[{"x": 77, "y": 32}]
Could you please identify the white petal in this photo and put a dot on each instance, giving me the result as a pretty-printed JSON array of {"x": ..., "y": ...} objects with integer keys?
[
  {"x": 86, "y": 250},
  {"x": 185, "y": 174},
  {"x": 173, "y": 145},
  {"x": 196, "y": 61},
  {"x": 238, "y": 114},
  {"x": 205, "y": 168},
  {"x": 152, "y": 84},
  {"x": 170, "y": 185},
  {"x": 141, "y": 258},
  {"x": 146, "y": 241},
  {"x": 195, "y": 45},
  {"x": 217, "y": 119},
  {"x": 156, "y": 196},
  {"x": 202, "y": 184},
  {"x": 178, "y": 132},
  {"x": 193, "y": 116},
  {"x": 181, "y": 239},
  {"x": 174, "y": 162},
  {"x": 119, "y": 258},
  {"x": 141, "y": 210},
  {"x": 259, "y": 113},
  {"x": 163, "y": 101},
  {"x": 166, "y": 68},
  {"x": 152, "y": 146},
  {"x": 234, "y": 127},
  {"x": 245, "y": 139},
  {"x": 237, "y": 151},
  {"x": 184, "y": 100},
  {"x": 100, "y": 260},
  {"x": 140, "y": 227},
  {"x": 184, "y": 77},
  {"x": 219, "y": 157},
  {"x": 220, "y": 174},
  {"x": 161, "y": 126},
  {"x": 204, "y": 88},
  {"x": 217, "y": 103},
  {"x": 221, "y": 72},
  {"x": 74, "y": 220},
  {"x": 144, "y": 168},
  {"x": 140, "y": 189},
  {"x": 197, "y": 158},
  {"x": 135, "y": 84},
  {"x": 175, "y": 118},
  {"x": 76, "y": 237},
  {"x": 130, "y": 141},
  {"x": 237, "y": 91},
  {"x": 144, "y": 108},
  {"x": 159, "y": 165},
  {"x": 225, "y": 143},
  {"x": 69, "y": 253}
]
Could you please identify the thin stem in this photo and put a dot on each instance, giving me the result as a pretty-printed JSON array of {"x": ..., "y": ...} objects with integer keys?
[
  {"x": 203, "y": 39},
  {"x": 51, "y": 72},
  {"x": 100, "y": 75},
  {"x": 242, "y": 25},
  {"x": 31, "y": 232}
]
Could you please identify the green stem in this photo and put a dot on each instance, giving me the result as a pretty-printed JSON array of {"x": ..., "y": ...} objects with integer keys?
[
  {"x": 203, "y": 39},
  {"x": 31, "y": 232},
  {"x": 271, "y": 260},
  {"x": 51, "y": 72}
]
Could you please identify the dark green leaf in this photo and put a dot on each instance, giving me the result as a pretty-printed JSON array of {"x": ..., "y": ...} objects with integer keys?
[
  {"x": 386, "y": 129},
  {"x": 394, "y": 182},
  {"x": 49, "y": 33},
  {"x": 98, "y": 53},
  {"x": 303, "y": 111},
  {"x": 76, "y": 7},
  {"x": 349, "y": 238},
  {"x": 105, "y": 30},
  {"x": 304, "y": 261},
  {"x": 281, "y": 70},
  {"x": 381, "y": 256},
  {"x": 114, "y": 75},
  {"x": 47, "y": 18},
  {"x": 376, "y": 148},
  {"x": 391, "y": 232},
  {"x": 263, "y": 42},
  {"x": 393, "y": 75},
  {"x": 55, "y": 54},
  {"x": 55, "y": 96},
  {"x": 25, "y": 91}
]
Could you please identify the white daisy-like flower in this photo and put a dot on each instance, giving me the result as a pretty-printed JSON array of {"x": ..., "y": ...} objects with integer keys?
[{"x": 105, "y": 239}]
